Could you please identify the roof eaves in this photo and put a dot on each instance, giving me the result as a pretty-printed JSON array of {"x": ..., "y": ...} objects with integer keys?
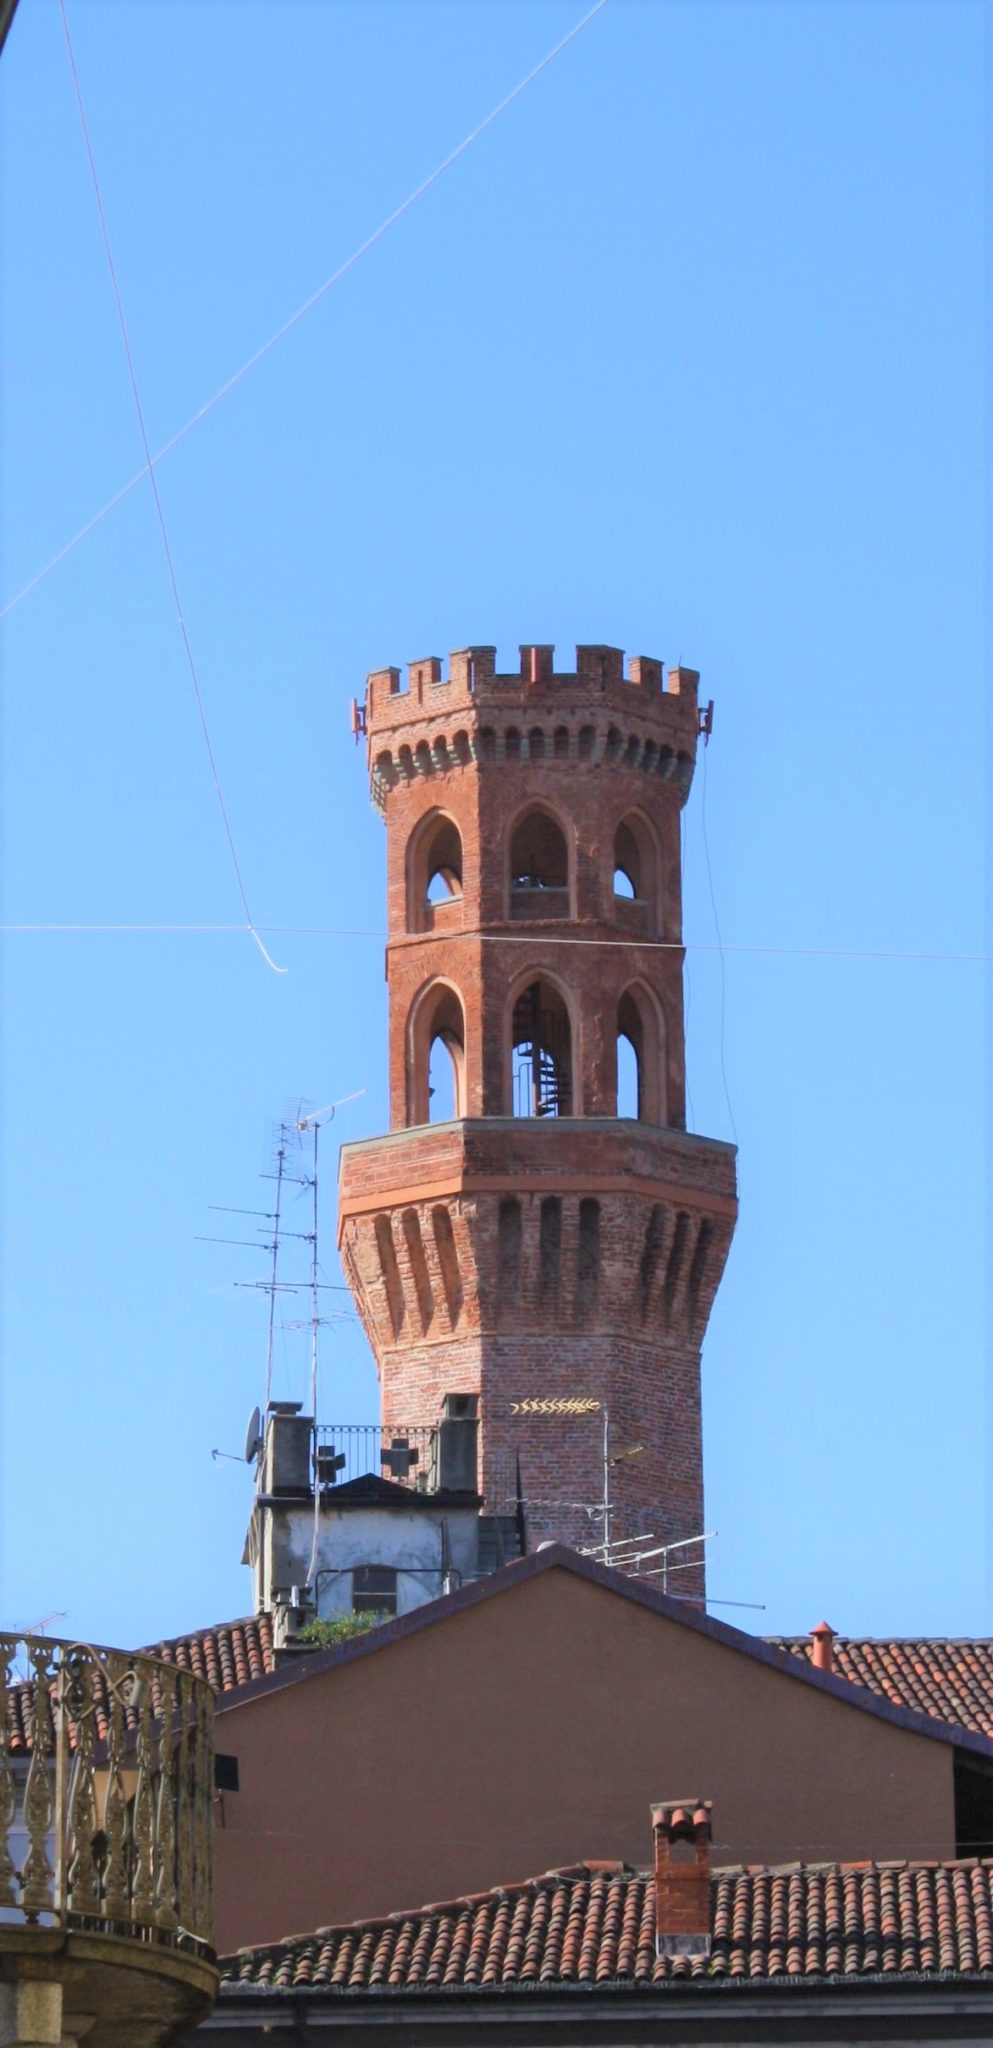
[{"x": 558, "y": 1557}]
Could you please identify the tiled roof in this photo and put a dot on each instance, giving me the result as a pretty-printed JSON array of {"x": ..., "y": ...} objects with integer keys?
[
  {"x": 950, "y": 1680},
  {"x": 593, "y": 1926},
  {"x": 227, "y": 1656},
  {"x": 946, "y": 1679}
]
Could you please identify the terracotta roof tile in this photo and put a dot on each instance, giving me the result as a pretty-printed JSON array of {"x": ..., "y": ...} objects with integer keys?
[
  {"x": 228, "y": 1656},
  {"x": 950, "y": 1680},
  {"x": 594, "y": 1926}
]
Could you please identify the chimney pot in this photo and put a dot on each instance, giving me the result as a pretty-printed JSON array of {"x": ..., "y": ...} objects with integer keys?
[
  {"x": 822, "y": 1646},
  {"x": 682, "y": 1881}
]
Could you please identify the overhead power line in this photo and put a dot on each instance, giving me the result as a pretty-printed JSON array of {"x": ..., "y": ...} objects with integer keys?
[
  {"x": 151, "y": 461},
  {"x": 149, "y": 471},
  {"x": 321, "y": 931}
]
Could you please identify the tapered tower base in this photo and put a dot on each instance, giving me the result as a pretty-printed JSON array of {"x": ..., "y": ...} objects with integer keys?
[{"x": 557, "y": 1269}]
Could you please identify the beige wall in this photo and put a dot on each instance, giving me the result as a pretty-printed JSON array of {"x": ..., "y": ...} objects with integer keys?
[{"x": 533, "y": 1729}]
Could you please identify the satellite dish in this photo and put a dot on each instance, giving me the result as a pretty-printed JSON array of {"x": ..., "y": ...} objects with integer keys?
[{"x": 253, "y": 1436}]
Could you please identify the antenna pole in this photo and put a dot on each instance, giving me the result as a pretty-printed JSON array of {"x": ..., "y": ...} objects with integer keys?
[
  {"x": 315, "y": 1305},
  {"x": 606, "y": 1483},
  {"x": 315, "y": 1317},
  {"x": 280, "y": 1163}
]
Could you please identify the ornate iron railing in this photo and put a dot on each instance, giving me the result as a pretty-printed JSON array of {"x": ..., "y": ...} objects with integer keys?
[{"x": 106, "y": 1791}]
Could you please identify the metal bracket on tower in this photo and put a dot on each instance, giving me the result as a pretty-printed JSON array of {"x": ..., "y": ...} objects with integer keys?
[
  {"x": 706, "y": 718},
  {"x": 358, "y": 720}
]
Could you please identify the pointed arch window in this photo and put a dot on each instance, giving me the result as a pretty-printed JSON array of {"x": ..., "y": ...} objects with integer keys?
[
  {"x": 539, "y": 867},
  {"x": 640, "y": 1042},
  {"x": 541, "y": 1052},
  {"x": 434, "y": 874},
  {"x": 436, "y": 1056},
  {"x": 636, "y": 873}
]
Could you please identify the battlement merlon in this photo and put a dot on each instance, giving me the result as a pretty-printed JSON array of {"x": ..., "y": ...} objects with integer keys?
[{"x": 472, "y": 680}]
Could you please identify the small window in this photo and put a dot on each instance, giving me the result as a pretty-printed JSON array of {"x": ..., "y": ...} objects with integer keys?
[{"x": 374, "y": 1589}]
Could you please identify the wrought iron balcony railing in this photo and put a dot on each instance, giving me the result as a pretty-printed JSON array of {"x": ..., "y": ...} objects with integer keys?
[{"x": 106, "y": 1789}]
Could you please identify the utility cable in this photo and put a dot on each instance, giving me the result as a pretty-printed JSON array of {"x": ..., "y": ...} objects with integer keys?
[
  {"x": 149, "y": 471},
  {"x": 720, "y": 942},
  {"x": 308, "y": 304},
  {"x": 687, "y": 982},
  {"x": 323, "y": 931}
]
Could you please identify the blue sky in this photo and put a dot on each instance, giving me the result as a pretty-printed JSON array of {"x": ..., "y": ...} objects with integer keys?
[{"x": 684, "y": 354}]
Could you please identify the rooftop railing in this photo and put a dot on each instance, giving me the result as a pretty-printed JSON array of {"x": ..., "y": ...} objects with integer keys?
[
  {"x": 106, "y": 1789},
  {"x": 352, "y": 1450}
]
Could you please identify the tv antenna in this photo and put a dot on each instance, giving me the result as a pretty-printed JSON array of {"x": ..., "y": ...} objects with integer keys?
[
  {"x": 313, "y": 1122},
  {"x": 271, "y": 1235}
]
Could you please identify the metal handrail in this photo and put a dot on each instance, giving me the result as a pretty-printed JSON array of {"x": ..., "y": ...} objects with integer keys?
[
  {"x": 106, "y": 1790},
  {"x": 369, "y": 1447}
]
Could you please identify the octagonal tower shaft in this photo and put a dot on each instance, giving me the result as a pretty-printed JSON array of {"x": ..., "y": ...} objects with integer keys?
[{"x": 534, "y": 1247}]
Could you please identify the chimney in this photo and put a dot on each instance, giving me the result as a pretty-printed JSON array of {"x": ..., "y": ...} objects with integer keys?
[
  {"x": 292, "y": 1608},
  {"x": 288, "y": 1447},
  {"x": 822, "y": 1647},
  {"x": 683, "y": 1833}
]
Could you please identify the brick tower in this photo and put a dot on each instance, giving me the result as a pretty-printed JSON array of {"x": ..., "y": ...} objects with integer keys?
[{"x": 513, "y": 1237}]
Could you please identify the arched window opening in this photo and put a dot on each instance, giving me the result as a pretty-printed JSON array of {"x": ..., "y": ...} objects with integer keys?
[
  {"x": 436, "y": 1069},
  {"x": 627, "y": 863},
  {"x": 443, "y": 1080},
  {"x": 636, "y": 874},
  {"x": 640, "y": 1064},
  {"x": 628, "y": 1077},
  {"x": 539, "y": 857},
  {"x": 435, "y": 872},
  {"x": 541, "y": 1053}
]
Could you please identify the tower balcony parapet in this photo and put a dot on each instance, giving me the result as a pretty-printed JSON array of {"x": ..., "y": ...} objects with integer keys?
[
  {"x": 601, "y": 711},
  {"x": 106, "y": 1816},
  {"x": 590, "y": 1155}
]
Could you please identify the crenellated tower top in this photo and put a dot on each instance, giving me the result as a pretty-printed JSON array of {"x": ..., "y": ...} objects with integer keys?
[
  {"x": 592, "y": 713},
  {"x": 538, "y": 1223}
]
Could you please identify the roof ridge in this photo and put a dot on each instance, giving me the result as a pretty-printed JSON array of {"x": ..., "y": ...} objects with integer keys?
[
  {"x": 803, "y": 1636},
  {"x": 577, "y": 1872}
]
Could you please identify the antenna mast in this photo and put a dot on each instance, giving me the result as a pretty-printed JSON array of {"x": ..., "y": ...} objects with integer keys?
[
  {"x": 280, "y": 1167},
  {"x": 313, "y": 1122}
]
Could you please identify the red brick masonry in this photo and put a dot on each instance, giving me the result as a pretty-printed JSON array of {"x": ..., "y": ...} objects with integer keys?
[{"x": 463, "y": 1288}]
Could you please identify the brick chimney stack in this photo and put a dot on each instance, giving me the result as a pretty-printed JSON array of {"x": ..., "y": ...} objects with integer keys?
[
  {"x": 683, "y": 1834},
  {"x": 822, "y": 1646},
  {"x": 513, "y": 1236}
]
